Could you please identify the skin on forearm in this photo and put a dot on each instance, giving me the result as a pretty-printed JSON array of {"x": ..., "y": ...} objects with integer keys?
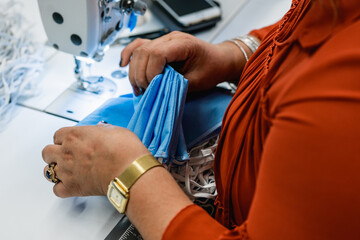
[
  {"x": 89, "y": 157},
  {"x": 155, "y": 199},
  {"x": 237, "y": 59}
]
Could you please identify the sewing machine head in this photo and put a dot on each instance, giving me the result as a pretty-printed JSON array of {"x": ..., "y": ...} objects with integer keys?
[{"x": 85, "y": 28}]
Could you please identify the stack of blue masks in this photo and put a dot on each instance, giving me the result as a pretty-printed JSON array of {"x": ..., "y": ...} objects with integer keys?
[
  {"x": 166, "y": 124},
  {"x": 158, "y": 114}
]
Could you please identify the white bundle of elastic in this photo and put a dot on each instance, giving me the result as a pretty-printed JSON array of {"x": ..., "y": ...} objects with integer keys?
[
  {"x": 196, "y": 176},
  {"x": 20, "y": 60}
]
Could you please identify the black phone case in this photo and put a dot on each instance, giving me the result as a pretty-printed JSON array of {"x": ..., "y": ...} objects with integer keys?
[{"x": 173, "y": 25}]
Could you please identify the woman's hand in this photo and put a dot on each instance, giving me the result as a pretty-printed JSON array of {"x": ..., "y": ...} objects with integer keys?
[
  {"x": 203, "y": 64},
  {"x": 87, "y": 158}
]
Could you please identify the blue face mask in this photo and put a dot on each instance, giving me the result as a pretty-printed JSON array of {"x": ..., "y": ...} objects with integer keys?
[
  {"x": 167, "y": 125},
  {"x": 158, "y": 114}
]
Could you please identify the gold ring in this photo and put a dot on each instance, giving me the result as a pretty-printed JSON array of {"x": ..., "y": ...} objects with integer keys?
[{"x": 50, "y": 173}]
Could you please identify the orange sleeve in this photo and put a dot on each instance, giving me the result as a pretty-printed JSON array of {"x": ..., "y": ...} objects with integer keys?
[
  {"x": 308, "y": 185},
  {"x": 194, "y": 223},
  {"x": 262, "y": 32}
]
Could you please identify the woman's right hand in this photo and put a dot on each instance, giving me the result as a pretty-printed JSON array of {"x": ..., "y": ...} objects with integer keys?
[{"x": 203, "y": 64}]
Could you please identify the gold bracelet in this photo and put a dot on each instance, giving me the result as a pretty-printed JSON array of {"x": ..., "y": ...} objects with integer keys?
[
  {"x": 137, "y": 168},
  {"x": 119, "y": 188}
]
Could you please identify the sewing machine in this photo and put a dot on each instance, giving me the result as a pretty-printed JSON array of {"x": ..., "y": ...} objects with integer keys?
[{"x": 86, "y": 29}]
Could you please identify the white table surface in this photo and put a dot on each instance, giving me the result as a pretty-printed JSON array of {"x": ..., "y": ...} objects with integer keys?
[{"x": 28, "y": 208}]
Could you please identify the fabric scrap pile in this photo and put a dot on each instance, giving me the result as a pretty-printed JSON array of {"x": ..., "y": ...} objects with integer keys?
[{"x": 20, "y": 60}]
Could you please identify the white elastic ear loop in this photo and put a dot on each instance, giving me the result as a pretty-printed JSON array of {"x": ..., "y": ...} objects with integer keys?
[
  {"x": 196, "y": 176},
  {"x": 20, "y": 61}
]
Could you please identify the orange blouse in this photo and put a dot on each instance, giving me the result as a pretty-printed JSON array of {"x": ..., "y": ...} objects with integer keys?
[{"x": 288, "y": 161}]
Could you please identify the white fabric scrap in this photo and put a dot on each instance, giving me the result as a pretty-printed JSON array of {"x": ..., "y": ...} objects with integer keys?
[
  {"x": 196, "y": 176},
  {"x": 20, "y": 59}
]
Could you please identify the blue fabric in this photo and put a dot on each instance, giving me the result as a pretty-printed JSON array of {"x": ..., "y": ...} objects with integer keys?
[
  {"x": 203, "y": 115},
  {"x": 115, "y": 111},
  {"x": 158, "y": 114},
  {"x": 162, "y": 120}
]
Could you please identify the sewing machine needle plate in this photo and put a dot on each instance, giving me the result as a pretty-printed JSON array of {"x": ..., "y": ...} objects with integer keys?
[{"x": 75, "y": 104}]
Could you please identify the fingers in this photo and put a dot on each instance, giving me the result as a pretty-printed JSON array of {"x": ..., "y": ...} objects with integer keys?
[
  {"x": 50, "y": 153},
  {"x": 84, "y": 156},
  {"x": 54, "y": 152},
  {"x": 155, "y": 66},
  {"x": 136, "y": 74},
  {"x": 61, "y": 191},
  {"x": 60, "y": 170},
  {"x": 66, "y": 187},
  {"x": 60, "y": 135},
  {"x": 148, "y": 58},
  {"x": 147, "y": 61},
  {"x": 129, "y": 49},
  {"x": 137, "y": 67}
]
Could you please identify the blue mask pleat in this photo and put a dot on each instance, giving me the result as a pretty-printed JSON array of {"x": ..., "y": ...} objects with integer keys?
[
  {"x": 160, "y": 121},
  {"x": 166, "y": 127},
  {"x": 160, "y": 118},
  {"x": 146, "y": 109}
]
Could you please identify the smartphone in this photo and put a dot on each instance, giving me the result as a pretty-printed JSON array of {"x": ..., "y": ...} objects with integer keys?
[{"x": 190, "y": 12}]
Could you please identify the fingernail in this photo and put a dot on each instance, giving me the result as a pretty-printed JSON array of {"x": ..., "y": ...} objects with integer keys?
[
  {"x": 136, "y": 91},
  {"x": 120, "y": 64}
]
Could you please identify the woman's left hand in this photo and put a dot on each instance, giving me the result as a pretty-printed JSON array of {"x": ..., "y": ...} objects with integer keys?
[{"x": 87, "y": 158}]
